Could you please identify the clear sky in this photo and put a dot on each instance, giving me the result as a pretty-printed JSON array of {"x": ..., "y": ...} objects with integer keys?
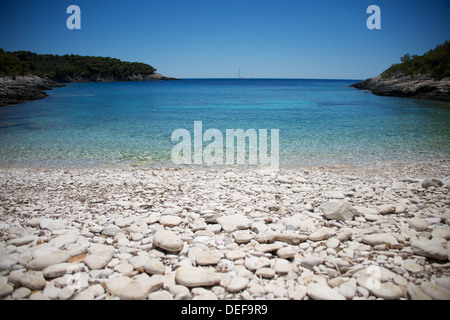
[{"x": 213, "y": 38}]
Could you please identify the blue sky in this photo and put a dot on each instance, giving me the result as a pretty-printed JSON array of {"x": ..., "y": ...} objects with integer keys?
[{"x": 213, "y": 38}]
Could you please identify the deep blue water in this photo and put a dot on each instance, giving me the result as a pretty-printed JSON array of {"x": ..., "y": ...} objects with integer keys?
[{"x": 320, "y": 122}]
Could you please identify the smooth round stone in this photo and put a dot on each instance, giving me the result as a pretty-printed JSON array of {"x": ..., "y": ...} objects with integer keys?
[
  {"x": 255, "y": 263},
  {"x": 387, "y": 291},
  {"x": 43, "y": 262},
  {"x": 168, "y": 241},
  {"x": 238, "y": 284},
  {"x": 321, "y": 234},
  {"x": 430, "y": 248},
  {"x": 21, "y": 293},
  {"x": 418, "y": 224},
  {"x": 333, "y": 243},
  {"x": 123, "y": 268},
  {"x": 6, "y": 262},
  {"x": 33, "y": 280},
  {"x": 379, "y": 238},
  {"x": 57, "y": 270},
  {"x": 243, "y": 237},
  {"x": 266, "y": 273},
  {"x": 205, "y": 258},
  {"x": 411, "y": 266},
  {"x": 154, "y": 266},
  {"x": 318, "y": 291},
  {"x": 235, "y": 255},
  {"x": 22, "y": 241},
  {"x": 287, "y": 252},
  {"x": 100, "y": 259},
  {"x": 435, "y": 291},
  {"x": 282, "y": 266},
  {"x": 160, "y": 295},
  {"x": 170, "y": 221},
  {"x": 5, "y": 290},
  {"x": 196, "y": 277}
]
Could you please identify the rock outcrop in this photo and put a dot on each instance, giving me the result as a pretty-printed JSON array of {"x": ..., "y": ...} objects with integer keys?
[
  {"x": 402, "y": 85},
  {"x": 19, "y": 89}
]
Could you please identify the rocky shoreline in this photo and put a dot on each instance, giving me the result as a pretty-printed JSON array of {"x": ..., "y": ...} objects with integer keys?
[
  {"x": 18, "y": 89},
  {"x": 168, "y": 233},
  {"x": 14, "y": 90},
  {"x": 402, "y": 85}
]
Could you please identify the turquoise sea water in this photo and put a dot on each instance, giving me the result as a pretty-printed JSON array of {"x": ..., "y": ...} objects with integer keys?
[{"x": 320, "y": 122}]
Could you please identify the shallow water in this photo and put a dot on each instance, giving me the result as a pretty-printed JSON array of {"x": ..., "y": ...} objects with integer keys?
[{"x": 320, "y": 122}]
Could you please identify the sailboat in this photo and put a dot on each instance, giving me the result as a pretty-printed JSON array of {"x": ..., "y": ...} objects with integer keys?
[{"x": 239, "y": 75}]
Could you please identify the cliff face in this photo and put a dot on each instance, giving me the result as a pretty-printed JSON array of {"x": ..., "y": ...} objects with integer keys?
[{"x": 402, "y": 85}]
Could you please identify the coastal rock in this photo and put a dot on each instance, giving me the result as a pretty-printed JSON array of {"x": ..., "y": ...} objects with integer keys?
[
  {"x": 168, "y": 241},
  {"x": 338, "y": 210},
  {"x": 403, "y": 85}
]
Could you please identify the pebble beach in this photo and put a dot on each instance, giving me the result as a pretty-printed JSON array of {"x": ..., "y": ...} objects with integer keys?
[{"x": 132, "y": 233}]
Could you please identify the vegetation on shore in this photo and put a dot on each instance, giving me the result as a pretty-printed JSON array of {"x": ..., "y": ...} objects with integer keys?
[
  {"x": 435, "y": 63},
  {"x": 59, "y": 68}
]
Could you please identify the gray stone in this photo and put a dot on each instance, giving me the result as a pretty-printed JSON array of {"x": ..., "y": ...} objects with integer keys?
[
  {"x": 387, "y": 291},
  {"x": 418, "y": 224},
  {"x": 33, "y": 280},
  {"x": 58, "y": 270},
  {"x": 7, "y": 261},
  {"x": 5, "y": 290},
  {"x": 416, "y": 293},
  {"x": 338, "y": 210},
  {"x": 430, "y": 249},
  {"x": 432, "y": 183},
  {"x": 435, "y": 291}
]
